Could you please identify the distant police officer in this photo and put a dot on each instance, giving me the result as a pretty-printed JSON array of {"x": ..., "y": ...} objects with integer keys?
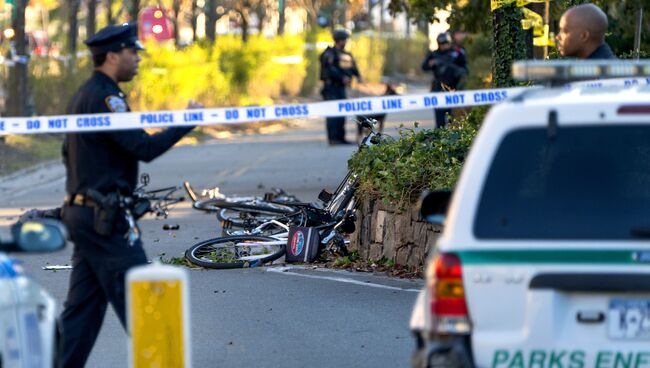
[
  {"x": 337, "y": 70},
  {"x": 449, "y": 66},
  {"x": 102, "y": 170}
]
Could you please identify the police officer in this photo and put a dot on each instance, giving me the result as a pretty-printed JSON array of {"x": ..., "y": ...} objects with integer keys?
[
  {"x": 449, "y": 66},
  {"x": 582, "y": 33},
  {"x": 102, "y": 170},
  {"x": 458, "y": 42},
  {"x": 337, "y": 70}
]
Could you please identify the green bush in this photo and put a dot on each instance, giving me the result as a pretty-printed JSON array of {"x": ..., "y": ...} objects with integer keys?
[
  {"x": 397, "y": 172},
  {"x": 403, "y": 56},
  {"x": 226, "y": 73},
  {"x": 369, "y": 53}
]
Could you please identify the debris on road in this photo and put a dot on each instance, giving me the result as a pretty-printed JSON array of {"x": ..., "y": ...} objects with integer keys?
[{"x": 57, "y": 267}]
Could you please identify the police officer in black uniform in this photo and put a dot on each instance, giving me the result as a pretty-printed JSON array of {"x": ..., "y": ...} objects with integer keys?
[
  {"x": 102, "y": 171},
  {"x": 337, "y": 70},
  {"x": 449, "y": 66}
]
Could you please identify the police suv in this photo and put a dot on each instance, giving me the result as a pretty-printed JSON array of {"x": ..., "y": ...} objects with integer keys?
[
  {"x": 27, "y": 311},
  {"x": 544, "y": 261}
]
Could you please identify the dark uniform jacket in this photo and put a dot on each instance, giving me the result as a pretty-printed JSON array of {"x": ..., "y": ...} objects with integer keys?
[
  {"x": 108, "y": 161},
  {"x": 602, "y": 52},
  {"x": 335, "y": 66},
  {"x": 450, "y": 66}
]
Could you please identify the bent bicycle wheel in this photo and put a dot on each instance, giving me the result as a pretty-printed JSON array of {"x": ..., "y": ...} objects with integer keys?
[
  {"x": 249, "y": 205},
  {"x": 235, "y": 251},
  {"x": 244, "y": 219}
]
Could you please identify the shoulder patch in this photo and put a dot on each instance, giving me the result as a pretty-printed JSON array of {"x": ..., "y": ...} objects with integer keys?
[{"x": 116, "y": 104}]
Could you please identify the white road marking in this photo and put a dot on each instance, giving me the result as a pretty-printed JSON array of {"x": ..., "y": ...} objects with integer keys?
[{"x": 284, "y": 271}]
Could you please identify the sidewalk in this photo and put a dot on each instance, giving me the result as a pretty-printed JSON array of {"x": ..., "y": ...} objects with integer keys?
[{"x": 23, "y": 180}]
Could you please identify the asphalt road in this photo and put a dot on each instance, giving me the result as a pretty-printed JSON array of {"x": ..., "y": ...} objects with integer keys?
[{"x": 274, "y": 316}]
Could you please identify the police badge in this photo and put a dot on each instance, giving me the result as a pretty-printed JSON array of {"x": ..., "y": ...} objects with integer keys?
[{"x": 116, "y": 104}]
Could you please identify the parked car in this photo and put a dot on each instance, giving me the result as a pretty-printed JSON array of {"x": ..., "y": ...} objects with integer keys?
[
  {"x": 27, "y": 312},
  {"x": 544, "y": 260}
]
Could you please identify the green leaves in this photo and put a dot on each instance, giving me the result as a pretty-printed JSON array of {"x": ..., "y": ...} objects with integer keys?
[{"x": 397, "y": 172}]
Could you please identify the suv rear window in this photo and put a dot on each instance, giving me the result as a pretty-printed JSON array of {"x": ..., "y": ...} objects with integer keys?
[{"x": 589, "y": 182}]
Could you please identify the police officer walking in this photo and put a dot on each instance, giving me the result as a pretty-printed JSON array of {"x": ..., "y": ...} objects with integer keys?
[
  {"x": 449, "y": 66},
  {"x": 337, "y": 70},
  {"x": 102, "y": 170}
]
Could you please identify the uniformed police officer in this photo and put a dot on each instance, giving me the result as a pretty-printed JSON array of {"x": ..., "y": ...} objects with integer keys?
[
  {"x": 337, "y": 70},
  {"x": 449, "y": 67},
  {"x": 102, "y": 169}
]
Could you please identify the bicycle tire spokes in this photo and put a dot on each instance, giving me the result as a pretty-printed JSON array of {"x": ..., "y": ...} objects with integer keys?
[{"x": 236, "y": 251}]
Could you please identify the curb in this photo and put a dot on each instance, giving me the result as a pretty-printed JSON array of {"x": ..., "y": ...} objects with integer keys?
[{"x": 29, "y": 170}]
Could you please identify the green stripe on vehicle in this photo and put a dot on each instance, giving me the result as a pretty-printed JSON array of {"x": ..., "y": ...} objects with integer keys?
[{"x": 571, "y": 256}]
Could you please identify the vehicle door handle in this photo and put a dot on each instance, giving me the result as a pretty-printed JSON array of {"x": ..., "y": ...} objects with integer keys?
[{"x": 590, "y": 317}]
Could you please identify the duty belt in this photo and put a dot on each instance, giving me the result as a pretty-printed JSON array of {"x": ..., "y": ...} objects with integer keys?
[{"x": 80, "y": 199}]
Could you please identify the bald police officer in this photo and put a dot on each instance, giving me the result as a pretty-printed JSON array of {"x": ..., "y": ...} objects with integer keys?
[
  {"x": 582, "y": 33},
  {"x": 337, "y": 70},
  {"x": 102, "y": 169}
]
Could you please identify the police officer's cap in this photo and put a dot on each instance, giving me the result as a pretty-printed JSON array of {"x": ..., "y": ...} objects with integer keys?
[
  {"x": 340, "y": 34},
  {"x": 114, "y": 38},
  {"x": 443, "y": 38}
]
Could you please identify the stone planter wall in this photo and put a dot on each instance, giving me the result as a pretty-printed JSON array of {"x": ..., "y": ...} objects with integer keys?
[{"x": 383, "y": 232}]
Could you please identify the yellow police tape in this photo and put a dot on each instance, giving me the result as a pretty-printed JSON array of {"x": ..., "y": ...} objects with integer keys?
[
  {"x": 532, "y": 20},
  {"x": 157, "y": 323},
  {"x": 496, "y": 4}
]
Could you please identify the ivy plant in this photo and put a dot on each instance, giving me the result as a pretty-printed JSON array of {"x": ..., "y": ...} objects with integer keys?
[{"x": 397, "y": 172}]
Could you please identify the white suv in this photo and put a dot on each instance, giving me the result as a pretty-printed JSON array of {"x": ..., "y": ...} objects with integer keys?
[
  {"x": 27, "y": 312},
  {"x": 544, "y": 261}
]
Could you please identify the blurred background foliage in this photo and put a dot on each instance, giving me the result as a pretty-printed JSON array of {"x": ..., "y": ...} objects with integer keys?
[{"x": 230, "y": 73}]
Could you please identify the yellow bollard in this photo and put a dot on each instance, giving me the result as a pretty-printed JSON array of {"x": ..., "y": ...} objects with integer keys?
[{"x": 158, "y": 317}]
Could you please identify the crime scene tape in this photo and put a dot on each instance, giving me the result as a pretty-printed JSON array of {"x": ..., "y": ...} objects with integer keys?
[
  {"x": 496, "y": 4},
  {"x": 237, "y": 115}
]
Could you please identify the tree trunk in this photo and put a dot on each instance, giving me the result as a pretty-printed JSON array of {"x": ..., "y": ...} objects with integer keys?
[
  {"x": 109, "y": 12},
  {"x": 509, "y": 44},
  {"x": 176, "y": 7},
  {"x": 134, "y": 11},
  {"x": 73, "y": 26},
  {"x": 194, "y": 17},
  {"x": 260, "y": 11},
  {"x": 244, "y": 26},
  {"x": 211, "y": 19},
  {"x": 91, "y": 18},
  {"x": 281, "y": 18},
  {"x": 381, "y": 15},
  {"x": 17, "y": 102}
]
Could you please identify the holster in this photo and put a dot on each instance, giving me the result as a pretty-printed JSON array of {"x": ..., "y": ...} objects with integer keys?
[
  {"x": 106, "y": 211},
  {"x": 140, "y": 207}
]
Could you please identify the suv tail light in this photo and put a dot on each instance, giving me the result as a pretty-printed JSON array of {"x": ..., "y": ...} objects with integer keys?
[{"x": 448, "y": 305}]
